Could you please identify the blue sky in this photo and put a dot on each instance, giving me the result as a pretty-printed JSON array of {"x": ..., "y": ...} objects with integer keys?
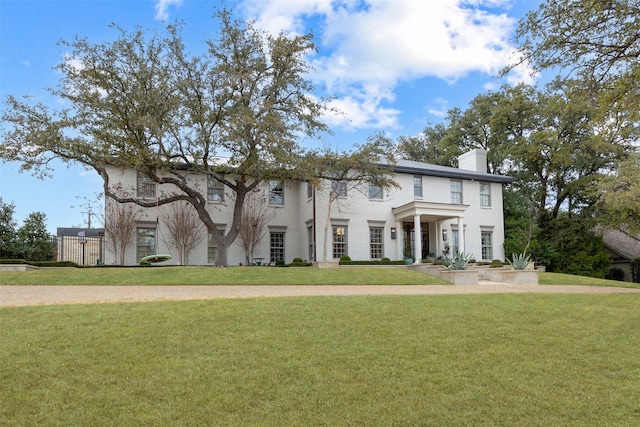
[{"x": 392, "y": 65}]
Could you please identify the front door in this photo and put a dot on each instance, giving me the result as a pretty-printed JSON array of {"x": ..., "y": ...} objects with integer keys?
[{"x": 408, "y": 244}]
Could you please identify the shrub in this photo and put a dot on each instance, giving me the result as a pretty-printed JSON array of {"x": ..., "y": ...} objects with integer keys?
[
  {"x": 280, "y": 263},
  {"x": 374, "y": 262},
  {"x": 496, "y": 263},
  {"x": 615, "y": 274},
  {"x": 299, "y": 262},
  {"x": 345, "y": 259},
  {"x": 635, "y": 270},
  {"x": 54, "y": 264},
  {"x": 40, "y": 263}
]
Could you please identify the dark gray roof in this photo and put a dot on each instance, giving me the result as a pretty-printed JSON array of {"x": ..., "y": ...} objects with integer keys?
[
  {"x": 427, "y": 169},
  {"x": 622, "y": 243}
]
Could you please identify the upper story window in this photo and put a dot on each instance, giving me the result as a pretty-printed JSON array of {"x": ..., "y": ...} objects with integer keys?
[
  {"x": 215, "y": 190},
  {"x": 309, "y": 190},
  {"x": 276, "y": 192},
  {"x": 485, "y": 194},
  {"x": 417, "y": 186},
  {"x": 456, "y": 192},
  {"x": 339, "y": 188},
  {"x": 146, "y": 186},
  {"x": 375, "y": 192}
]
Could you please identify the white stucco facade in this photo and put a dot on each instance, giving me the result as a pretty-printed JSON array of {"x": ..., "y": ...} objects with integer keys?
[{"x": 433, "y": 206}]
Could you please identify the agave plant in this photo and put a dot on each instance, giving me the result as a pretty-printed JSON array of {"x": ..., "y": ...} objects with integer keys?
[
  {"x": 459, "y": 261},
  {"x": 519, "y": 261}
]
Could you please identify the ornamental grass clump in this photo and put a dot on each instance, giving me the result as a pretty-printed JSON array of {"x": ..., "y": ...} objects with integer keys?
[{"x": 519, "y": 261}]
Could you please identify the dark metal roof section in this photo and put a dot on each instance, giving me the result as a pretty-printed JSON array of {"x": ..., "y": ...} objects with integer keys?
[{"x": 427, "y": 169}]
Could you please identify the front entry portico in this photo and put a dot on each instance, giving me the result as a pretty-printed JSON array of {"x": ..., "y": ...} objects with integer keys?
[{"x": 413, "y": 217}]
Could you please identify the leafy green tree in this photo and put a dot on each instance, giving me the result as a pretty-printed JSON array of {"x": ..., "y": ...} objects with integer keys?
[
  {"x": 426, "y": 146},
  {"x": 7, "y": 230},
  {"x": 234, "y": 113},
  {"x": 598, "y": 42},
  {"x": 34, "y": 242},
  {"x": 620, "y": 202},
  {"x": 598, "y": 39},
  {"x": 576, "y": 249}
]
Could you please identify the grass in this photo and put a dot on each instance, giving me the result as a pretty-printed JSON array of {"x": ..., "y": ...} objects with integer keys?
[
  {"x": 499, "y": 360},
  {"x": 218, "y": 276},
  {"x": 253, "y": 276}
]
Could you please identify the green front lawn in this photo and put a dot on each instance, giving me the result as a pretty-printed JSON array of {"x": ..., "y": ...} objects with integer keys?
[
  {"x": 218, "y": 276},
  {"x": 499, "y": 360},
  {"x": 253, "y": 276}
]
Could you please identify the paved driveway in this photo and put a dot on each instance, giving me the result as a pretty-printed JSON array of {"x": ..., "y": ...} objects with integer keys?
[{"x": 48, "y": 295}]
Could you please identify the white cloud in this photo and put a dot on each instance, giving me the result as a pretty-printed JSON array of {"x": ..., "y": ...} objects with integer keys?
[
  {"x": 162, "y": 6},
  {"x": 368, "y": 47},
  {"x": 440, "y": 108}
]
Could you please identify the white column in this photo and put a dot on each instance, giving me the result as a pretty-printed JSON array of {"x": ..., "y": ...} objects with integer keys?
[
  {"x": 417, "y": 234},
  {"x": 461, "y": 247}
]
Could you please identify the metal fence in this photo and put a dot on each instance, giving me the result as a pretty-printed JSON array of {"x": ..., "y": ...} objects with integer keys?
[{"x": 82, "y": 251}]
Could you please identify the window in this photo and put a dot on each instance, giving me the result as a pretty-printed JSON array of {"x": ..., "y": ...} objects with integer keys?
[
  {"x": 310, "y": 238},
  {"x": 417, "y": 186},
  {"x": 455, "y": 241},
  {"x": 376, "y": 242},
  {"x": 485, "y": 195},
  {"x": 487, "y": 245},
  {"x": 309, "y": 190},
  {"x": 145, "y": 243},
  {"x": 212, "y": 247},
  {"x": 339, "y": 241},
  {"x": 456, "y": 192},
  {"x": 146, "y": 186},
  {"x": 215, "y": 190},
  {"x": 339, "y": 188},
  {"x": 276, "y": 192},
  {"x": 375, "y": 192},
  {"x": 277, "y": 246}
]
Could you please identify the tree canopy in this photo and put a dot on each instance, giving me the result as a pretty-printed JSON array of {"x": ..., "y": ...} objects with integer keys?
[
  {"x": 31, "y": 241},
  {"x": 598, "y": 43},
  {"x": 597, "y": 39},
  {"x": 234, "y": 112}
]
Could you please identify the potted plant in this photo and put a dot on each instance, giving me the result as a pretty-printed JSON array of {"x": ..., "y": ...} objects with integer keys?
[
  {"x": 457, "y": 272},
  {"x": 408, "y": 257}
]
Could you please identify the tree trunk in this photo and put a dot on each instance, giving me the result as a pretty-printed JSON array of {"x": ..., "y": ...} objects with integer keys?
[{"x": 221, "y": 256}]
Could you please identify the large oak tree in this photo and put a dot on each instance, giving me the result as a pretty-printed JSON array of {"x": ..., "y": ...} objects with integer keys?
[{"x": 234, "y": 113}]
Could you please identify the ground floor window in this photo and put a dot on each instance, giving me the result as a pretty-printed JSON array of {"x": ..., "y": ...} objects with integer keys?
[
  {"x": 145, "y": 243},
  {"x": 376, "y": 242},
  {"x": 277, "y": 246},
  {"x": 487, "y": 245},
  {"x": 212, "y": 247},
  {"x": 311, "y": 244},
  {"x": 339, "y": 241},
  {"x": 455, "y": 241}
]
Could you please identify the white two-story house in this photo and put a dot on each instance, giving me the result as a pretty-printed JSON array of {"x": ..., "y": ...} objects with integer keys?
[{"x": 434, "y": 207}]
